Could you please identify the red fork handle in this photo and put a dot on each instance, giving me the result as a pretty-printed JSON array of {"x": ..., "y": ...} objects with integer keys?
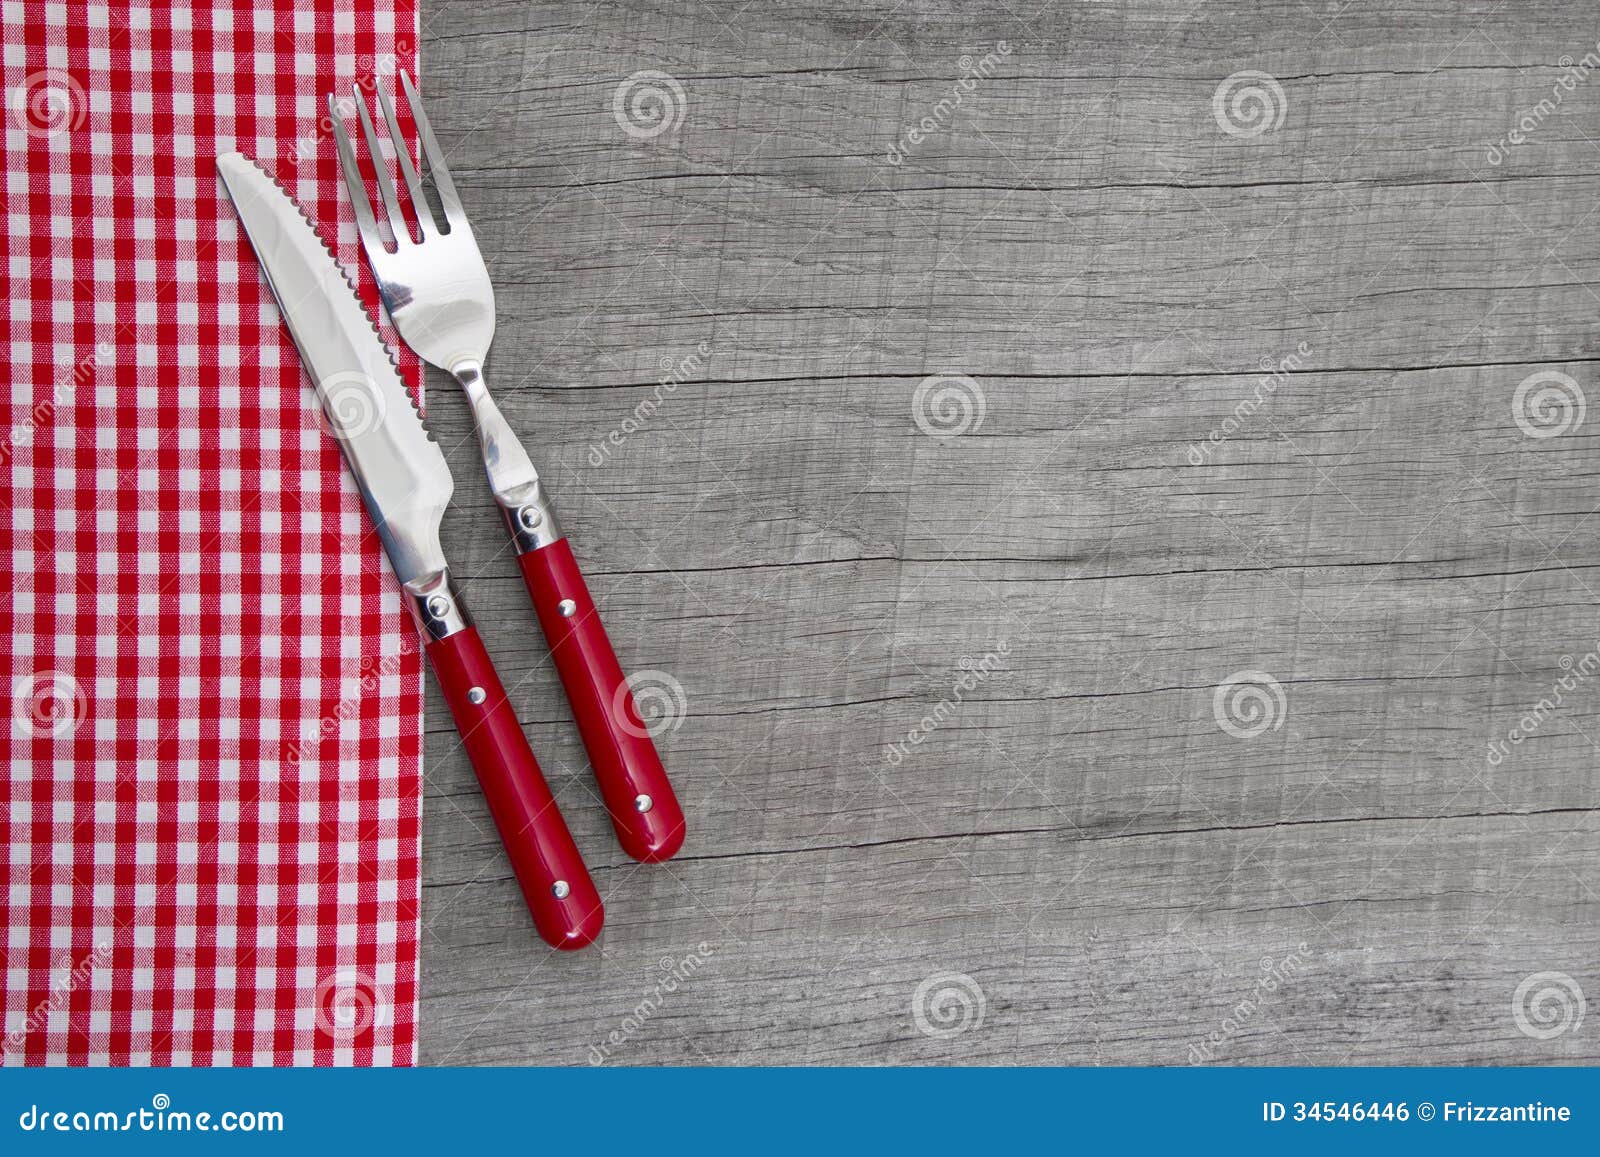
[
  {"x": 644, "y": 810},
  {"x": 566, "y": 908}
]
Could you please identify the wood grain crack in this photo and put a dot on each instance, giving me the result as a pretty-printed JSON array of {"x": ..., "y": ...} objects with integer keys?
[{"x": 1066, "y": 831}]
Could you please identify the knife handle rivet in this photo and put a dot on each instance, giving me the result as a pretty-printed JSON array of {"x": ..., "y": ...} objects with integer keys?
[
  {"x": 560, "y": 889},
  {"x": 567, "y": 608},
  {"x": 643, "y": 803},
  {"x": 530, "y": 517},
  {"x": 438, "y": 606},
  {"x": 476, "y": 695}
]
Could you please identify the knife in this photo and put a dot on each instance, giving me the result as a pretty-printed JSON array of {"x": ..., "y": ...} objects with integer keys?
[{"x": 406, "y": 486}]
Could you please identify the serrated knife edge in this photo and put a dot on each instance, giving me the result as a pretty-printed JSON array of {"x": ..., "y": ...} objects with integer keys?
[{"x": 400, "y": 471}]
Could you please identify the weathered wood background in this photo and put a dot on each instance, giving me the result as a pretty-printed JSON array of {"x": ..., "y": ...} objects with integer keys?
[{"x": 1121, "y": 878}]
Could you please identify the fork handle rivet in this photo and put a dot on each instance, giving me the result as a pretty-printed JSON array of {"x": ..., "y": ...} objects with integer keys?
[{"x": 567, "y": 608}]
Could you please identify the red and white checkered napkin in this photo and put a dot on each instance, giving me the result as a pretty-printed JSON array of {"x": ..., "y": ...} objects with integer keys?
[{"x": 210, "y": 824}]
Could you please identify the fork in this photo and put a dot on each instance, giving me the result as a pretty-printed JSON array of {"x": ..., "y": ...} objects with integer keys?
[{"x": 437, "y": 291}]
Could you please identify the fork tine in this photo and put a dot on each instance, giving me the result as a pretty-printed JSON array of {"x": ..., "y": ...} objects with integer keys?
[
  {"x": 366, "y": 224},
  {"x": 391, "y": 200},
  {"x": 407, "y": 169},
  {"x": 449, "y": 199}
]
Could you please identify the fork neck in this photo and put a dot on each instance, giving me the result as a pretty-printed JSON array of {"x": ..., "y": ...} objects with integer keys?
[{"x": 515, "y": 483}]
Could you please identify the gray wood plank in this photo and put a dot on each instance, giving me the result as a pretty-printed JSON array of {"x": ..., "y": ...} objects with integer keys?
[{"x": 1349, "y": 302}]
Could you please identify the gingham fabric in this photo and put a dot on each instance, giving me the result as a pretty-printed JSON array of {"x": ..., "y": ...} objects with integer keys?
[{"x": 211, "y": 800}]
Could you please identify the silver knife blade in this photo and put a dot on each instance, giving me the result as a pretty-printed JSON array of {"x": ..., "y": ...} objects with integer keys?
[{"x": 399, "y": 469}]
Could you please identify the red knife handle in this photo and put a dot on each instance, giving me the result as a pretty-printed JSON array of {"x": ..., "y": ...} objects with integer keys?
[
  {"x": 644, "y": 810},
  {"x": 565, "y": 905}
]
